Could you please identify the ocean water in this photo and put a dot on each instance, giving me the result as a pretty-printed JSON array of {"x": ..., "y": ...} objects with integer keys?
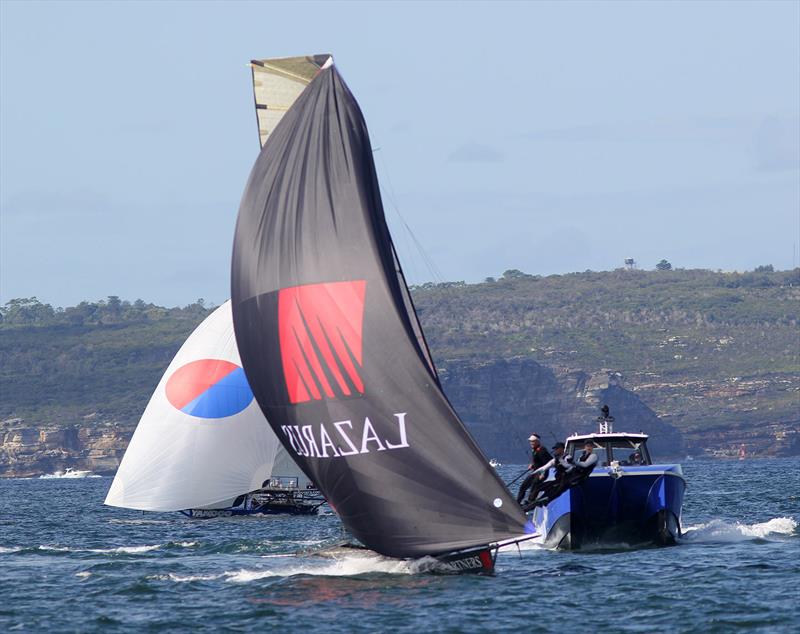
[{"x": 69, "y": 564}]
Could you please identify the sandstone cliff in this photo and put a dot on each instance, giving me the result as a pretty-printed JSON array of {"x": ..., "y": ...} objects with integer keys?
[
  {"x": 504, "y": 401},
  {"x": 501, "y": 401},
  {"x": 28, "y": 450}
]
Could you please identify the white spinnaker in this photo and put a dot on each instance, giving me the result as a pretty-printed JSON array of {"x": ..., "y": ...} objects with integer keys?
[{"x": 178, "y": 461}]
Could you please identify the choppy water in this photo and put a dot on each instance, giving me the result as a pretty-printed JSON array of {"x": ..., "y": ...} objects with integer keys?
[{"x": 69, "y": 564}]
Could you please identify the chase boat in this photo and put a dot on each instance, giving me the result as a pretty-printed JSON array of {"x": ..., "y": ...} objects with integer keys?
[{"x": 626, "y": 498}]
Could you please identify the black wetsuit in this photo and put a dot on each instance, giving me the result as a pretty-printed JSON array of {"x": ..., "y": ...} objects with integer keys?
[{"x": 539, "y": 457}]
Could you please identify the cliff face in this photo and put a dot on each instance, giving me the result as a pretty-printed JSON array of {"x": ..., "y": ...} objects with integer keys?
[
  {"x": 27, "y": 450},
  {"x": 504, "y": 401}
]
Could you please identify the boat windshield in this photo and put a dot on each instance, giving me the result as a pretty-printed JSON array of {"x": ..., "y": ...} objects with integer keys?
[{"x": 626, "y": 451}]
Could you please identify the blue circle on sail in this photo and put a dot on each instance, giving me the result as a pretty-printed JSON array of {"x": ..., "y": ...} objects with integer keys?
[{"x": 209, "y": 388}]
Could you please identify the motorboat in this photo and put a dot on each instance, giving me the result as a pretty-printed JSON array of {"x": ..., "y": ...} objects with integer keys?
[
  {"x": 626, "y": 499},
  {"x": 68, "y": 473}
]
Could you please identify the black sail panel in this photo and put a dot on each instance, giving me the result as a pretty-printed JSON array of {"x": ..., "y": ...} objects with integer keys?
[{"x": 330, "y": 346}]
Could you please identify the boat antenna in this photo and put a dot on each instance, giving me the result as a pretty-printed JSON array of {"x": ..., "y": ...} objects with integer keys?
[{"x": 605, "y": 420}]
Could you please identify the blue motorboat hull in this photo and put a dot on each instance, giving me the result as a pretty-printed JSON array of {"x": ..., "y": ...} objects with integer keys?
[{"x": 631, "y": 505}]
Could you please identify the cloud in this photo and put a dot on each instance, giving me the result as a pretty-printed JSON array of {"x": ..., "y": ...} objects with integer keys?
[{"x": 475, "y": 153}]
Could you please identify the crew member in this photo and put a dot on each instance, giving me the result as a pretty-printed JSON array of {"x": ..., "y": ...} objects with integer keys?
[
  {"x": 552, "y": 488},
  {"x": 583, "y": 466},
  {"x": 587, "y": 460},
  {"x": 539, "y": 456},
  {"x": 636, "y": 458}
]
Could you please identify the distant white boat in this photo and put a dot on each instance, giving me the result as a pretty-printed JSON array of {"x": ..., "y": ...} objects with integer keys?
[
  {"x": 69, "y": 473},
  {"x": 495, "y": 463}
]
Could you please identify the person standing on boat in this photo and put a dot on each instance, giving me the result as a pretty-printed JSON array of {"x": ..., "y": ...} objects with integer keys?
[{"x": 539, "y": 457}]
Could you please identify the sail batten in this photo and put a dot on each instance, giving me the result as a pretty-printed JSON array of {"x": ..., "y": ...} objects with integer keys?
[{"x": 388, "y": 452}]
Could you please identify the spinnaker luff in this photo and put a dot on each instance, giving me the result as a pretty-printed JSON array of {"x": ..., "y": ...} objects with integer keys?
[{"x": 351, "y": 394}]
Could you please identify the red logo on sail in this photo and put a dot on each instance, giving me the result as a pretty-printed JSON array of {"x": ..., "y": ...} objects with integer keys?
[{"x": 320, "y": 333}]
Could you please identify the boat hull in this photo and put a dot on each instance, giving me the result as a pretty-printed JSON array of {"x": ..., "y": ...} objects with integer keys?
[
  {"x": 632, "y": 505},
  {"x": 264, "y": 502},
  {"x": 266, "y": 509}
]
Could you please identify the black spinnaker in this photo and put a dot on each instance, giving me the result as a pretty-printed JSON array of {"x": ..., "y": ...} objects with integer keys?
[{"x": 332, "y": 348}]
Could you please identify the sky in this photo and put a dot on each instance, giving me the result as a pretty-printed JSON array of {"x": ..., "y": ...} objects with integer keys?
[{"x": 545, "y": 137}]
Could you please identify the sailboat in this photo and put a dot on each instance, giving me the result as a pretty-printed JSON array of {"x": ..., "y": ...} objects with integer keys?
[
  {"x": 182, "y": 458},
  {"x": 335, "y": 355},
  {"x": 202, "y": 445}
]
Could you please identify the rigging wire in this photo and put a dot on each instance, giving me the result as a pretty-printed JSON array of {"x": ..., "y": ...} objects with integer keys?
[{"x": 430, "y": 265}]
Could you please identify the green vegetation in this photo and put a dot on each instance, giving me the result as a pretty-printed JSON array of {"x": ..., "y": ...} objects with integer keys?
[
  {"x": 700, "y": 347},
  {"x": 102, "y": 358},
  {"x": 680, "y": 337}
]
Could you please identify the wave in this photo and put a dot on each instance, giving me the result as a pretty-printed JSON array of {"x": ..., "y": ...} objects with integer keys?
[
  {"x": 721, "y": 531},
  {"x": 13, "y": 549},
  {"x": 137, "y": 522},
  {"x": 119, "y": 550},
  {"x": 184, "y": 578},
  {"x": 347, "y": 566}
]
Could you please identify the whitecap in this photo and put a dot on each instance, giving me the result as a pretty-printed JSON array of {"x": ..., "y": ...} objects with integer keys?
[
  {"x": 129, "y": 550},
  {"x": 185, "y": 578},
  {"x": 126, "y": 550},
  {"x": 83, "y": 574},
  {"x": 721, "y": 531},
  {"x": 13, "y": 549}
]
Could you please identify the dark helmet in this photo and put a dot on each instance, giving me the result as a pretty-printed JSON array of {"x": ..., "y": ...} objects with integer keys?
[
  {"x": 558, "y": 445},
  {"x": 605, "y": 410}
]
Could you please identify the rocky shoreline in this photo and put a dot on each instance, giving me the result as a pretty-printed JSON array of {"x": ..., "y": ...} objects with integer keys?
[
  {"x": 29, "y": 450},
  {"x": 501, "y": 401}
]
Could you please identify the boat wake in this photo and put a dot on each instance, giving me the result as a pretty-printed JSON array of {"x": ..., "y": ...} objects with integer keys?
[
  {"x": 348, "y": 566},
  {"x": 351, "y": 565},
  {"x": 719, "y": 531}
]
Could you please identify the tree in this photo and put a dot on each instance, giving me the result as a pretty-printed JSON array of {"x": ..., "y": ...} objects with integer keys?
[
  {"x": 664, "y": 266},
  {"x": 515, "y": 274},
  {"x": 764, "y": 268},
  {"x": 114, "y": 305}
]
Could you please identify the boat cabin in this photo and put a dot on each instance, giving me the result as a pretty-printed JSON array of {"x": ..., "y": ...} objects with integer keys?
[{"x": 623, "y": 448}]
